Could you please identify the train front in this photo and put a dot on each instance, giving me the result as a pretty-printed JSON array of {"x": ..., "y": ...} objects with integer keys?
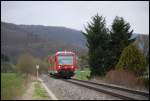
[{"x": 66, "y": 63}]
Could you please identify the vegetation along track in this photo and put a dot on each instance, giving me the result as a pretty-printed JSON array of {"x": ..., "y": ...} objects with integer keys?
[{"x": 122, "y": 93}]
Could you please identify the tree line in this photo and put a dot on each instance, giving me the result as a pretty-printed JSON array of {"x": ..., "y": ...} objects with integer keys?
[
  {"x": 107, "y": 47},
  {"x": 26, "y": 64}
]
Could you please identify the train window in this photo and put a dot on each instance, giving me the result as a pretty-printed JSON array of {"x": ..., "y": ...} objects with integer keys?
[{"x": 65, "y": 60}]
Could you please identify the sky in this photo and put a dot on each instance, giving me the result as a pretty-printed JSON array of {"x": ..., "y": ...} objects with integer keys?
[{"x": 76, "y": 14}]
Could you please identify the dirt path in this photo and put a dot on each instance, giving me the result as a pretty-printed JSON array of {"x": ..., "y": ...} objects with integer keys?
[{"x": 28, "y": 95}]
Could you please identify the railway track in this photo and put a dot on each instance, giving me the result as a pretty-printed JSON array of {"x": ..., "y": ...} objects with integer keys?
[{"x": 116, "y": 91}]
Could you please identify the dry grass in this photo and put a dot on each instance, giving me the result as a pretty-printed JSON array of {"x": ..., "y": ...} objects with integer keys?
[{"x": 124, "y": 78}]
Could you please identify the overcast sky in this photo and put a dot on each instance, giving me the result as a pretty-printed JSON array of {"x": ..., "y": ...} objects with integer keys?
[{"x": 75, "y": 14}]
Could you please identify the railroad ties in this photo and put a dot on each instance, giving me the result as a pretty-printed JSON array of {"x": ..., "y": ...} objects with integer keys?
[{"x": 120, "y": 92}]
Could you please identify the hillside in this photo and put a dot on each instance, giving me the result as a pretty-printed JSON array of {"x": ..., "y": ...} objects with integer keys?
[
  {"x": 39, "y": 40},
  {"x": 42, "y": 41}
]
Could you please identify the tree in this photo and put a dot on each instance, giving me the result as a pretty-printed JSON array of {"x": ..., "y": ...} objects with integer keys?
[
  {"x": 7, "y": 67},
  {"x": 132, "y": 59},
  {"x": 4, "y": 58},
  {"x": 83, "y": 61},
  {"x": 142, "y": 41},
  {"x": 6, "y": 64},
  {"x": 26, "y": 64},
  {"x": 120, "y": 38},
  {"x": 97, "y": 42}
]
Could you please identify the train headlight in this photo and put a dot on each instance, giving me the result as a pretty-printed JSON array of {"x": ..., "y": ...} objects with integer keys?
[
  {"x": 71, "y": 66},
  {"x": 59, "y": 66}
]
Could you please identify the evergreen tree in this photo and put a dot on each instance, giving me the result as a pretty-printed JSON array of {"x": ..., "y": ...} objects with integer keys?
[
  {"x": 132, "y": 59},
  {"x": 97, "y": 43},
  {"x": 120, "y": 38},
  {"x": 4, "y": 58}
]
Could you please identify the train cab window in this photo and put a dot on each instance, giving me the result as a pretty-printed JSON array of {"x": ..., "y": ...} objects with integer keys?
[{"x": 65, "y": 60}]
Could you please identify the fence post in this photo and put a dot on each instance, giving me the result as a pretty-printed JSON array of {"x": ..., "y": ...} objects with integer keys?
[{"x": 37, "y": 67}]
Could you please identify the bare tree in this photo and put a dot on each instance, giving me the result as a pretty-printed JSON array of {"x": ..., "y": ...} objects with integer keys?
[
  {"x": 142, "y": 42},
  {"x": 26, "y": 64}
]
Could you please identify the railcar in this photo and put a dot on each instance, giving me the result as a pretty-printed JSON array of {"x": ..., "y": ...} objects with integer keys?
[{"x": 62, "y": 64}]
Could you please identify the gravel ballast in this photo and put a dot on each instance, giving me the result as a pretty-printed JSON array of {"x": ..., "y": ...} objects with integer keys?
[{"x": 67, "y": 91}]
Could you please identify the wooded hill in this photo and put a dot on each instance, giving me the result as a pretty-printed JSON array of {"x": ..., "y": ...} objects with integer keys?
[
  {"x": 42, "y": 41},
  {"x": 38, "y": 40}
]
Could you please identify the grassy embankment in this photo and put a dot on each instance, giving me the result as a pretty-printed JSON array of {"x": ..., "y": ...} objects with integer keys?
[
  {"x": 82, "y": 74},
  {"x": 12, "y": 85},
  {"x": 40, "y": 92}
]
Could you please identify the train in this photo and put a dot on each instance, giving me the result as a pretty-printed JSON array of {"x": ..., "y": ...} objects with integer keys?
[{"x": 62, "y": 64}]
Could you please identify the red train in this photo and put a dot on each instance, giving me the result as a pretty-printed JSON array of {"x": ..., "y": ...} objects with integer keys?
[{"x": 62, "y": 63}]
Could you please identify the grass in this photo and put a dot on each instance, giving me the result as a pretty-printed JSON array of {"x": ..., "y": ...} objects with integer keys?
[
  {"x": 11, "y": 85},
  {"x": 82, "y": 74},
  {"x": 40, "y": 92},
  {"x": 127, "y": 78}
]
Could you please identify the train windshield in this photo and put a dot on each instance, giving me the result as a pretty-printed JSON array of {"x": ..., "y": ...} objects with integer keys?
[{"x": 65, "y": 60}]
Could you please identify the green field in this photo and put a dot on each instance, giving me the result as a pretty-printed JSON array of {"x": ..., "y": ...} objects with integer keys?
[
  {"x": 11, "y": 85},
  {"x": 82, "y": 74}
]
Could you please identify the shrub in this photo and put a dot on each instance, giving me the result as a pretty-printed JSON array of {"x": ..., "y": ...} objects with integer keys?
[
  {"x": 43, "y": 66},
  {"x": 132, "y": 59},
  {"x": 26, "y": 64},
  {"x": 125, "y": 78}
]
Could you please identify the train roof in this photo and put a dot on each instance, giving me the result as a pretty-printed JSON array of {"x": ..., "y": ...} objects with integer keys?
[{"x": 64, "y": 52}]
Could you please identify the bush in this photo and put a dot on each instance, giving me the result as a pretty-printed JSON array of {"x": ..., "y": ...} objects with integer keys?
[
  {"x": 26, "y": 64},
  {"x": 43, "y": 66},
  {"x": 132, "y": 59},
  {"x": 125, "y": 78}
]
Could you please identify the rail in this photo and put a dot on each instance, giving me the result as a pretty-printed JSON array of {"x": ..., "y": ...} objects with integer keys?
[{"x": 120, "y": 92}]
